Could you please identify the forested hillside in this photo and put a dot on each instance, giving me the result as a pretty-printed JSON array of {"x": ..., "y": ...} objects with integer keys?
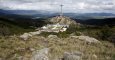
[{"x": 9, "y": 27}]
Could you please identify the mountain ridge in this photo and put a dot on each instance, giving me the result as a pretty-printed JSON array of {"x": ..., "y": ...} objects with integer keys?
[{"x": 34, "y": 13}]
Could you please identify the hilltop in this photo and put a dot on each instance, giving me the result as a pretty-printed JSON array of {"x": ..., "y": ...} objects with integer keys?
[{"x": 62, "y": 20}]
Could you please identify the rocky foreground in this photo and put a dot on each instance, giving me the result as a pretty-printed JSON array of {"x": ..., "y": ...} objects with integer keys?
[{"x": 55, "y": 48}]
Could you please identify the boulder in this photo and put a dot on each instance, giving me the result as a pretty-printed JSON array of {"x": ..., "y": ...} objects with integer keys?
[
  {"x": 52, "y": 36},
  {"x": 86, "y": 38},
  {"x": 41, "y": 54},
  {"x": 72, "y": 56},
  {"x": 0, "y": 58},
  {"x": 25, "y": 36},
  {"x": 35, "y": 33}
]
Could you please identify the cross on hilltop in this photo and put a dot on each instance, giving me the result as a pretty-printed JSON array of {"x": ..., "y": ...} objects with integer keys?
[
  {"x": 61, "y": 9},
  {"x": 61, "y": 13}
]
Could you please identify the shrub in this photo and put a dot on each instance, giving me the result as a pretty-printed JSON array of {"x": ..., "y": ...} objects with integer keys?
[
  {"x": 105, "y": 33},
  {"x": 63, "y": 34},
  {"x": 46, "y": 34},
  {"x": 4, "y": 31},
  {"x": 72, "y": 28}
]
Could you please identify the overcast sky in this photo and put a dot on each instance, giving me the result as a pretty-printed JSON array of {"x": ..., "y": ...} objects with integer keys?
[{"x": 75, "y": 6}]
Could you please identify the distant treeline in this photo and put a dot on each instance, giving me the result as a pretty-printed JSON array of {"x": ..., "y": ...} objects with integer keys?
[
  {"x": 10, "y": 26},
  {"x": 100, "y": 22}
]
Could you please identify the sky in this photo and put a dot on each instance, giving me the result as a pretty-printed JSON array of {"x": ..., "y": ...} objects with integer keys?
[{"x": 73, "y": 6}]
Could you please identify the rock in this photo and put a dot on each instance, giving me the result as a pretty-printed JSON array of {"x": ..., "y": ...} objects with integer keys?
[
  {"x": 25, "y": 36},
  {"x": 41, "y": 54},
  {"x": 0, "y": 58},
  {"x": 52, "y": 36},
  {"x": 20, "y": 58},
  {"x": 35, "y": 33},
  {"x": 86, "y": 38},
  {"x": 72, "y": 56},
  {"x": 95, "y": 56},
  {"x": 31, "y": 49}
]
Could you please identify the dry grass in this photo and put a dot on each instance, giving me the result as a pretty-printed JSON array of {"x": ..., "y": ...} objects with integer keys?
[{"x": 15, "y": 48}]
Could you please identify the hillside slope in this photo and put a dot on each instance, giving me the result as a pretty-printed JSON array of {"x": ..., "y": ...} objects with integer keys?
[
  {"x": 8, "y": 27},
  {"x": 106, "y": 21},
  {"x": 14, "y": 48}
]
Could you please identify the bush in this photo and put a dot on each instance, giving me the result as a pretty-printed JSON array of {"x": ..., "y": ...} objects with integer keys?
[
  {"x": 99, "y": 32},
  {"x": 46, "y": 34},
  {"x": 62, "y": 34},
  {"x": 78, "y": 33},
  {"x": 72, "y": 29},
  {"x": 4, "y": 31},
  {"x": 105, "y": 33}
]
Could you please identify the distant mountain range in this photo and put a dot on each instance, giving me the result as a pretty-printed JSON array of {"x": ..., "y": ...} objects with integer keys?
[
  {"x": 19, "y": 12},
  {"x": 33, "y": 17},
  {"x": 42, "y": 14}
]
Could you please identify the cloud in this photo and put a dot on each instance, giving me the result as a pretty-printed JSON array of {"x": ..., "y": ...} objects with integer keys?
[{"x": 53, "y": 5}]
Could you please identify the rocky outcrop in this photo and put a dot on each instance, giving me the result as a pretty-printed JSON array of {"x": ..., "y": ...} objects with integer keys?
[
  {"x": 62, "y": 20},
  {"x": 41, "y": 54},
  {"x": 86, "y": 38},
  {"x": 35, "y": 33},
  {"x": 72, "y": 56}
]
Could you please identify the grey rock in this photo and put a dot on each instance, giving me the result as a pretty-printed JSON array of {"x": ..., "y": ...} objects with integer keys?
[
  {"x": 86, "y": 38},
  {"x": 52, "y": 36},
  {"x": 35, "y": 33},
  {"x": 72, "y": 56},
  {"x": 41, "y": 54},
  {"x": 25, "y": 36},
  {"x": 0, "y": 58}
]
